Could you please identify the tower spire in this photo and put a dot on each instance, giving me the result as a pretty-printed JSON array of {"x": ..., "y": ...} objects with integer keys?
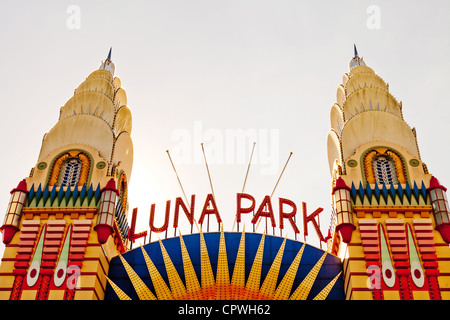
[
  {"x": 107, "y": 64},
  {"x": 356, "y": 60},
  {"x": 109, "y": 54}
]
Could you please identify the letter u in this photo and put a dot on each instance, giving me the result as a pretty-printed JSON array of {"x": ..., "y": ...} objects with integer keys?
[{"x": 166, "y": 219}]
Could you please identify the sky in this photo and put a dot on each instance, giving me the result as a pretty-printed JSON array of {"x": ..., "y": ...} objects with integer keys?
[{"x": 218, "y": 72}]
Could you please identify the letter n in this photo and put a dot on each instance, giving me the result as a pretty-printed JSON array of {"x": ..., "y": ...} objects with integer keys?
[{"x": 189, "y": 214}]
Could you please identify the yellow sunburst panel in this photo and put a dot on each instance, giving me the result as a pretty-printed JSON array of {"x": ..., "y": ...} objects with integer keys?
[
  {"x": 302, "y": 291},
  {"x": 193, "y": 291},
  {"x": 162, "y": 291},
  {"x": 325, "y": 291},
  {"x": 254, "y": 279},
  {"x": 122, "y": 295},
  {"x": 176, "y": 285},
  {"x": 238, "y": 279},
  {"x": 268, "y": 288},
  {"x": 142, "y": 290},
  {"x": 285, "y": 286},
  {"x": 221, "y": 288},
  {"x": 208, "y": 282}
]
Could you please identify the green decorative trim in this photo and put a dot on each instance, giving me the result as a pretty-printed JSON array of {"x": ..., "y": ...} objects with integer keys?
[
  {"x": 42, "y": 165},
  {"x": 352, "y": 163},
  {"x": 101, "y": 165},
  {"x": 386, "y": 262},
  {"x": 414, "y": 162}
]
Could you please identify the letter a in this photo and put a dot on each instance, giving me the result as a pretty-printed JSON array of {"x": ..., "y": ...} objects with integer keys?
[
  {"x": 262, "y": 213},
  {"x": 374, "y": 20},
  {"x": 74, "y": 20},
  {"x": 206, "y": 210}
]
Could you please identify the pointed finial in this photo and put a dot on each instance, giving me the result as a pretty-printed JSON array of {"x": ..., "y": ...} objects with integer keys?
[
  {"x": 108, "y": 65},
  {"x": 356, "y": 60},
  {"x": 354, "y": 49}
]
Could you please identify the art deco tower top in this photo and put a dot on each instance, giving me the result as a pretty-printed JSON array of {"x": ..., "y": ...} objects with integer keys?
[
  {"x": 73, "y": 206},
  {"x": 365, "y": 113},
  {"x": 96, "y": 117},
  {"x": 390, "y": 217}
]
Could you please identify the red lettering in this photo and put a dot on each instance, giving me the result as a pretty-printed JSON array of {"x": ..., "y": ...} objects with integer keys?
[
  {"x": 265, "y": 210},
  {"x": 311, "y": 218},
  {"x": 239, "y": 209},
  {"x": 206, "y": 210},
  {"x": 189, "y": 214},
  {"x": 166, "y": 218},
  {"x": 290, "y": 216},
  {"x": 131, "y": 235},
  {"x": 262, "y": 213}
]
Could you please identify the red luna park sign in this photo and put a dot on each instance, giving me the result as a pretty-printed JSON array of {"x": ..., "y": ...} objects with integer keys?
[{"x": 287, "y": 211}]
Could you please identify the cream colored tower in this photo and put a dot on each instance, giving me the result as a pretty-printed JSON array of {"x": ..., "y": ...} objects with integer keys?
[
  {"x": 96, "y": 117},
  {"x": 69, "y": 217},
  {"x": 390, "y": 216}
]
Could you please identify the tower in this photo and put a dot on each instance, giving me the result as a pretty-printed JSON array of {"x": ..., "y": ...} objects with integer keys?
[
  {"x": 68, "y": 218},
  {"x": 390, "y": 221}
]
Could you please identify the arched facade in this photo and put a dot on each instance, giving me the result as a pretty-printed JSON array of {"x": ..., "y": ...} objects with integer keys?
[
  {"x": 392, "y": 234},
  {"x": 60, "y": 163},
  {"x": 67, "y": 209},
  {"x": 371, "y": 159}
]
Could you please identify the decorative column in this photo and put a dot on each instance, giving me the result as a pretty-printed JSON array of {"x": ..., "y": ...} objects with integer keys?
[
  {"x": 440, "y": 208},
  {"x": 107, "y": 206},
  {"x": 12, "y": 219},
  {"x": 344, "y": 210}
]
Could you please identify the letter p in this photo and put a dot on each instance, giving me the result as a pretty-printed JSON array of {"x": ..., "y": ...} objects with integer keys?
[{"x": 239, "y": 209}]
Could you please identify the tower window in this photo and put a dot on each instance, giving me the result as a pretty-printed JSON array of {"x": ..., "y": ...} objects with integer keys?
[
  {"x": 384, "y": 170},
  {"x": 70, "y": 172}
]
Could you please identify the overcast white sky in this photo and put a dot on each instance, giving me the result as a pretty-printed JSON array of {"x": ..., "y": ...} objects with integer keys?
[{"x": 205, "y": 68}]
